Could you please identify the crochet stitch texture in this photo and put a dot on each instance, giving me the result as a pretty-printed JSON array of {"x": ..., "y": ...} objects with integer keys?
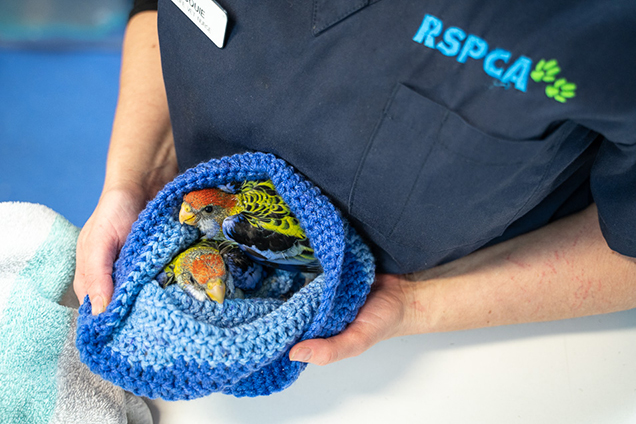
[{"x": 161, "y": 343}]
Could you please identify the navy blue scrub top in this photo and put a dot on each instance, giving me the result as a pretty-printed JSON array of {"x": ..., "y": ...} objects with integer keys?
[{"x": 437, "y": 127}]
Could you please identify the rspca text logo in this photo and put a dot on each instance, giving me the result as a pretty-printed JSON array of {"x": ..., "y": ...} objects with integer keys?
[{"x": 454, "y": 42}]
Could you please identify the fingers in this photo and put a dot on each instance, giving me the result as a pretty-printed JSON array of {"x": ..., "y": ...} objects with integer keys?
[
  {"x": 356, "y": 339},
  {"x": 96, "y": 252}
]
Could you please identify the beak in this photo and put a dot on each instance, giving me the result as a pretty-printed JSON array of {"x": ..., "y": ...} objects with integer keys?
[
  {"x": 186, "y": 216},
  {"x": 216, "y": 290}
]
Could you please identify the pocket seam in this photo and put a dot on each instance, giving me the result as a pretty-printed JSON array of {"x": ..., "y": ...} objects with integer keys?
[
  {"x": 318, "y": 30},
  {"x": 367, "y": 149},
  {"x": 419, "y": 172}
]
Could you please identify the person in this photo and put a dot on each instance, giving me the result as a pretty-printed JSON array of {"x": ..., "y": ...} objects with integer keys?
[{"x": 485, "y": 150}]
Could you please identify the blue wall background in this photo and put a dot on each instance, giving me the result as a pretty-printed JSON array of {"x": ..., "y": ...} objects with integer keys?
[{"x": 58, "y": 93}]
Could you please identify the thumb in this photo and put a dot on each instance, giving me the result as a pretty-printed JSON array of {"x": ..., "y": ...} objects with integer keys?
[
  {"x": 93, "y": 275},
  {"x": 354, "y": 340}
]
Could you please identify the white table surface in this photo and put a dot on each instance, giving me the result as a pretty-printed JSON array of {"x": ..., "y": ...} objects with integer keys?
[{"x": 575, "y": 371}]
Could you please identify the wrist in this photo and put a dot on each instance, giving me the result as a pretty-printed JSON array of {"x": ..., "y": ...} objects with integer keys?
[
  {"x": 129, "y": 188},
  {"x": 143, "y": 185},
  {"x": 419, "y": 304},
  {"x": 395, "y": 300},
  {"x": 141, "y": 168}
]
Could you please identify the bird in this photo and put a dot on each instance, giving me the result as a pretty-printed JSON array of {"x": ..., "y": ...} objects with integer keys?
[
  {"x": 247, "y": 274},
  {"x": 254, "y": 217},
  {"x": 201, "y": 272}
]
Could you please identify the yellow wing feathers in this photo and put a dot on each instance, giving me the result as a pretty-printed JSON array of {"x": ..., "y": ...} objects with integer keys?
[{"x": 264, "y": 208}]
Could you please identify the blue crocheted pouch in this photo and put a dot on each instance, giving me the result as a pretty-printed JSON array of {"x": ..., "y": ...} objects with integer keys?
[{"x": 161, "y": 343}]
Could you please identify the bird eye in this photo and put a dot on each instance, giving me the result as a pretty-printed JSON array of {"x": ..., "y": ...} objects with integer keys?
[{"x": 208, "y": 209}]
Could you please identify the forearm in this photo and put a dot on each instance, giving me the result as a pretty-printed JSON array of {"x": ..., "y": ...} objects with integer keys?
[
  {"x": 141, "y": 156},
  {"x": 141, "y": 159},
  {"x": 563, "y": 270}
]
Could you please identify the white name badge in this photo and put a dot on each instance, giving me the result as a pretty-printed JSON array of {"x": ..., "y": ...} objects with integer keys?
[{"x": 208, "y": 16}]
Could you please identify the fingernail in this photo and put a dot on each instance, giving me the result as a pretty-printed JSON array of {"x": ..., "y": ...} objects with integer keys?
[
  {"x": 98, "y": 305},
  {"x": 302, "y": 354}
]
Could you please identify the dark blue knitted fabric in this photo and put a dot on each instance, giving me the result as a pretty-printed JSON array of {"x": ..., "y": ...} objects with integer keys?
[{"x": 161, "y": 343}]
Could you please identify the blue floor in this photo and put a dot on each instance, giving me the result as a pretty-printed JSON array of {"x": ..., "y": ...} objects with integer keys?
[{"x": 56, "y": 112}]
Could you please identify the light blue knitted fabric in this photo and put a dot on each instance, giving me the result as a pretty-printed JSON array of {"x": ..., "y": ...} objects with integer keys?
[{"x": 161, "y": 343}]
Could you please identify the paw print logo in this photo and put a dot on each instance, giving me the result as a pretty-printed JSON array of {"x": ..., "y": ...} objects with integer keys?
[
  {"x": 561, "y": 90},
  {"x": 546, "y": 71}
]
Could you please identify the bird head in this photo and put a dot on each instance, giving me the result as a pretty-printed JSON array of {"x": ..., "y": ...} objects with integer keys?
[
  {"x": 208, "y": 271},
  {"x": 206, "y": 209}
]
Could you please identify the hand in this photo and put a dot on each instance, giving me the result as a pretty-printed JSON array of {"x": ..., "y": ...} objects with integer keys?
[
  {"x": 383, "y": 316},
  {"x": 99, "y": 243}
]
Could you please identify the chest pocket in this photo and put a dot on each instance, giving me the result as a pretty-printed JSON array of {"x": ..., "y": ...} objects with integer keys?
[{"x": 431, "y": 181}]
